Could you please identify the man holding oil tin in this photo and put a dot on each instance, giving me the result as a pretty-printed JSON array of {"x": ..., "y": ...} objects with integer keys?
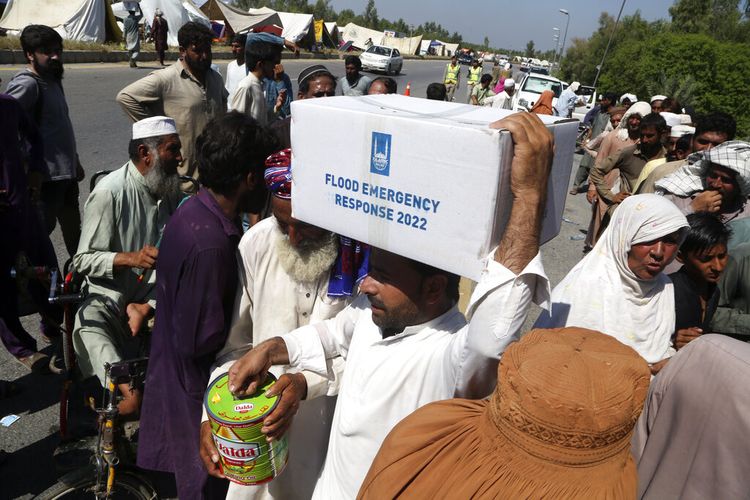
[
  {"x": 404, "y": 341},
  {"x": 291, "y": 274}
]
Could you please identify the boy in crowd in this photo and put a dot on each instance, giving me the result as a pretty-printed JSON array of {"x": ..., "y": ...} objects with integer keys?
[{"x": 703, "y": 256}]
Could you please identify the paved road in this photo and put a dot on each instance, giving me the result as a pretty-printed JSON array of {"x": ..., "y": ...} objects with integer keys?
[{"x": 102, "y": 133}]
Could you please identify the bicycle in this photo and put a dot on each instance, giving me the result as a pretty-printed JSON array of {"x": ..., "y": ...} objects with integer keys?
[{"x": 111, "y": 473}]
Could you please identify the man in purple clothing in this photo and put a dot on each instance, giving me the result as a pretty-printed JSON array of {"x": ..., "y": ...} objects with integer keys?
[
  {"x": 195, "y": 291},
  {"x": 22, "y": 231}
]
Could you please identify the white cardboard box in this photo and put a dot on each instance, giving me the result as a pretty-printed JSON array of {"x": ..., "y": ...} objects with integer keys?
[{"x": 428, "y": 180}]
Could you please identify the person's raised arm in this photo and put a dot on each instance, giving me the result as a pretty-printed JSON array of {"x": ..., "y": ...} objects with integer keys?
[
  {"x": 532, "y": 159},
  {"x": 502, "y": 298}
]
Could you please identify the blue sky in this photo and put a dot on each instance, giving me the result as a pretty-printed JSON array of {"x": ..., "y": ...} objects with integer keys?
[{"x": 509, "y": 23}]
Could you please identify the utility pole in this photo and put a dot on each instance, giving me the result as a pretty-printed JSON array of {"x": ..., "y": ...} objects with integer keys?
[
  {"x": 606, "y": 50},
  {"x": 565, "y": 37}
]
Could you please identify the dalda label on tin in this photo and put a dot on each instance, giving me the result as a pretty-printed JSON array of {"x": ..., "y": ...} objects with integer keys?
[
  {"x": 244, "y": 407},
  {"x": 236, "y": 452}
]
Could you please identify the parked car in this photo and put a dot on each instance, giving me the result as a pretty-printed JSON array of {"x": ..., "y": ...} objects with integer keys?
[
  {"x": 531, "y": 87},
  {"x": 589, "y": 96},
  {"x": 540, "y": 70},
  {"x": 464, "y": 58},
  {"x": 380, "y": 58}
]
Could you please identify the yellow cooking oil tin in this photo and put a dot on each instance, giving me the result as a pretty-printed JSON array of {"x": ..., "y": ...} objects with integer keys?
[{"x": 245, "y": 455}]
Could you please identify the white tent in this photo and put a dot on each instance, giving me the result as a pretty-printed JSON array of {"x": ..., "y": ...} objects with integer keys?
[
  {"x": 359, "y": 36},
  {"x": 295, "y": 27},
  {"x": 333, "y": 30},
  {"x": 83, "y": 20},
  {"x": 238, "y": 20},
  {"x": 450, "y": 48},
  {"x": 177, "y": 13},
  {"x": 404, "y": 44}
]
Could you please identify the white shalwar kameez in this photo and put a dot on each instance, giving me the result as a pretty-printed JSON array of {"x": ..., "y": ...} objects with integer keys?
[
  {"x": 270, "y": 303},
  {"x": 386, "y": 379}
]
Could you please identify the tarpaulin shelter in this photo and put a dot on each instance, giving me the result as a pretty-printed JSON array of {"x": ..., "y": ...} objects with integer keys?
[
  {"x": 177, "y": 13},
  {"x": 431, "y": 47},
  {"x": 297, "y": 28},
  {"x": 405, "y": 45},
  {"x": 333, "y": 31},
  {"x": 236, "y": 20},
  {"x": 450, "y": 48},
  {"x": 360, "y": 36},
  {"x": 83, "y": 20}
]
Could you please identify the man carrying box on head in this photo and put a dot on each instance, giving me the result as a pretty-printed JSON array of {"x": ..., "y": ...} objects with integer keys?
[{"x": 404, "y": 341}]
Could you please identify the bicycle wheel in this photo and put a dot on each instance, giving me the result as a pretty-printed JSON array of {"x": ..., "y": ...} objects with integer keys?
[{"x": 81, "y": 484}]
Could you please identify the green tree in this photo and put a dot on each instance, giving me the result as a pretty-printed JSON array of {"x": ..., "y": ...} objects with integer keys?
[
  {"x": 323, "y": 10},
  {"x": 370, "y": 16},
  {"x": 719, "y": 72},
  {"x": 345, "y": 17},
  {"x": 690, "y": 16},
  {"x": 583, "y": 55},
  {"x": 718, "y": 18},
  {"x": 530, "y": 48},
  {"x": 486, "y": 42}
]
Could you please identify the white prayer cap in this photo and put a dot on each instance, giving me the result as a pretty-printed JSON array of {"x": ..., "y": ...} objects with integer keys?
[
  {"x": 657, "y": 98},
  {"x": 631, "y": 97},
  {"x": 154, "y": 126},
  {"x": 672, "y": 119},
  {"x": 574, "y": 86},
  {"x": 509, "y": 82},
  {"x": 680, "y": 130}
]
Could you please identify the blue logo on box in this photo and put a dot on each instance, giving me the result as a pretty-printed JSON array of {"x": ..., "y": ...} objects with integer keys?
[{"x": 380, "y": 156}]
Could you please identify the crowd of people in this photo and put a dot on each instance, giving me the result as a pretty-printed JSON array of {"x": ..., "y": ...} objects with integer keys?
[{"x": 627, "y": 386}]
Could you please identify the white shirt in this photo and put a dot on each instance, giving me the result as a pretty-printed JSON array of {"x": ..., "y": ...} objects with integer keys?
[
  {"x": 386, "y": 379},
  {"x": 248, "y": 98},
  {"x": 269, "y": 302},
  {"x": 235, "y": 74},
  {"x": 501, "y": 100}
]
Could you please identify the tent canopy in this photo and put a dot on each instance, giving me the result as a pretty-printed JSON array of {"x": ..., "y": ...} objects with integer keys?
[
  {"x": 83, "y": 20},
  {"x": 333, "y": 30},
  {"x": 359, "y": 36},
  {"x": 237, "y": 20},
  {"x": 177, "y": 13},
  {"x": 295, "y": 27}
]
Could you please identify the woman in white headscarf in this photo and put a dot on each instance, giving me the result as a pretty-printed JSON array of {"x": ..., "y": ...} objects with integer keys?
[
  {"x": 613, "y": 143},
  {"x": 619, "y": 287}
]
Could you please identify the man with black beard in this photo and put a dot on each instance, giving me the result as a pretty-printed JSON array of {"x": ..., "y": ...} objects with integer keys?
[
  {"x": 123, "y": 220},
  {"x": 291, "y": 274},
  {"x": 195, "y": 290},
  {"x": 187, "y": 91},
  {"x": 39, "y": 90}
]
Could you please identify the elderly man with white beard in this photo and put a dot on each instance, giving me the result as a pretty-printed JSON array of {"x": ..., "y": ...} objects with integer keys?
[
  {"x": 293, "y": 274},
  {"x": 123, "y": 219}
]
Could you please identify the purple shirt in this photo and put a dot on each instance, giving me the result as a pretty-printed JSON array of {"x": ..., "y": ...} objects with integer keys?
[{"x": 195, "y": 289}]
